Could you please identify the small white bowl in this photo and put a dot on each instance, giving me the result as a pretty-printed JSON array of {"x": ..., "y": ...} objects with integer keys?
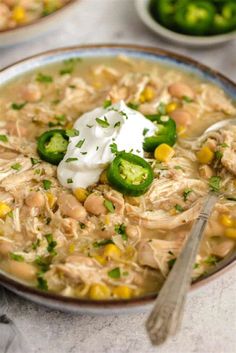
[
  {"x": 142, "y": 7},
  {"x": 36, "y": 28}
]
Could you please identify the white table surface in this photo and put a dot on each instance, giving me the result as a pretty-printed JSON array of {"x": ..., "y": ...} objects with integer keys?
[{"x": 209, "y": 324}]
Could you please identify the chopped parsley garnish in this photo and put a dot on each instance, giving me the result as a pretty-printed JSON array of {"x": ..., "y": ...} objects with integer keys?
[
  {"x": 224, "y": 145},
  {"x": 80, "y": 143},
  {"x": 121, "y": 229},
  {"x": 109, "y": 206},
  {"x": 89, "y": 126},
  {"x": 43, "y": 263},
  {"x": 114, "y": 273},
  {"x": 186, "y": 193},
  {"x": 44, "y": 78},
  {"x": 145, "y": 131},
  {"x": 107, "y": 103},
  {"x": 72, "y": 61},
  {"x": 16, "y": 257},
  {"x": 179, "y": 208},
  {"x": 16, "y": 166},
  {"x": 42, "y": 283},
  {"x": 47, "y": 184},
  {"x": 18, "y": 106},
  {"x": 161, "y": 109},
  {"x": 66, "y": 70},
  {"x": 69, "y": 181},
  {"x": 84, "y": 153},
  {"x": 196, "y": 265},
  {"x": 187, "y": 99},
  {"x": 99, "y": 244},
  {"x": 72, "y": 132},
  {"x": 97, "y": 148},
  {"x": 61, "y": 117},
  {"x": 82, "y": 225},
  {"x": 51, "y": 244},
  {"x": 212, "y": 260},
  {"x": 218, "y": 154},
  {"x": 133, "y": 106},
  {"x": 113, "y": 148},
  {"x": 36, "y": 244},
  {"x": 214, "y": 183},
  {"x": 3, "y": 138},
  {"x": 117, "y": 124},
  {"x": 35, "y": 161},
  {"x": 103, "y": 123},
  {"x": 71, "y": 159},
  {"x": 178, "y": 167}
]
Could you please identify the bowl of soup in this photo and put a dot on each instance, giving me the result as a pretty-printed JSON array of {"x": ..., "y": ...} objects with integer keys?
[
  {"x": 21, "y": 20},
  {"x": 103, "y": 170}
]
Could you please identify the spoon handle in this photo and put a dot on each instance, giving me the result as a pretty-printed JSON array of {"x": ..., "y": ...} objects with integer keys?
[{"x": 168, "y": 308}]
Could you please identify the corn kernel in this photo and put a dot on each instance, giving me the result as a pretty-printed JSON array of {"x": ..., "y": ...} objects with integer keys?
[
  {"x": 97, "y": 84},
  {"x": 4, "y": 209},
  {"x": 205, "y": 155},
  {"x": 112, "y": 251},
  {"x": 99, "y": 292},
  {"x": 72, "y": 248},
  {"x": 51, "y": 199},
  {"x": 170, "y": 107},
  {"x": 100, "y": 259},
  {"x": 230, "y": 233},
  {"x": 147, "y": 95},
  {"x": 163, "y": 153},
  {"x": 107, "y": 219},
  {"x": 226, "y": 220},
  {"x": 81, "y": 194},
  {"x": 122, "y": 292},
  {"x": 103, "y": 177},
  {"x": 18, "y": 14}
]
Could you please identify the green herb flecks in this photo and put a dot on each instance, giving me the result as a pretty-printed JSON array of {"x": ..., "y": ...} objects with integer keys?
[
  {"x": 133, "y": 106},
  {"x": 186, "y": 193},
  {"x": 109, "y": 206},
  {"x": 71, "y": 159},
  {"x": 107, "y": 103},
  {"x": 47, "y": 184},
  {"x": 99, "y": 244},
  {"x": 18, "y": 106},
  {"x": 69, "y": 181},
  {"x": 42, "y": 283},
  {"x": 114, "y": 273},
  {"x": 214, "y": 183},
  {"x": 35, "y": 161},
  {"x": 212, "y": 260},
  {"x": 16, "y": 166},
  {"x": 121, "y": 229},
  {"x": 44, "y": 78},
  {"x": 72, "y": 132},
  {"x": 80, "y": 143},
  {"x": 17, "y": 257},
  {"x": 179, "y": 208},
  {"x": 103, "y": 122},
  {"x": 51, "y": 244},
  {"x": 3, "y": 138}
]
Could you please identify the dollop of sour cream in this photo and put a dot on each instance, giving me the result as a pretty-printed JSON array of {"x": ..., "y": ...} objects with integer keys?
[{"x": 99, "y": 130}]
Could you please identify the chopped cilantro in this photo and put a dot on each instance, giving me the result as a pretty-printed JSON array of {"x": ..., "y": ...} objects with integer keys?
[
  {"x": 3, "y": 138},
  {"x": 113, "y": 148},
  {"x": 161, "y": 109},
  {"x": 133, "y": 106},
  {"x": 171, "y": 263},
  {"x": 36, "y": 244},
  {"x": 66, "y": 70},
  {"x": 72, "y": 61},
  {"x": 72, "y": 159},
  {"x": 72, "y": 132},
  {"x": 214, "y": 183},
  {"x": 47, "y": 184},
  {"x": 224, "y": 145},
  {"x": 114, "y": 273},
  {"x": 16, "y": 166},
  {"x": 187, "y": 99},
  {"x": 186, "y": 193},
  {"x": 121, "y": 229},
  {"x": 218, "y": 154},
  {"x": 99, "y": 244},
  {"x": 80, "y": 143},
  {"x": 34, "y": 160},
  {"x": 89, "y": 126},
  {"x": 107, "y": 103},
  {"x": 42, "y": 283},
  {"x": 179, "y": 208},
  {"x": 178, "y": 167},
  {"x": 82, "y": 225},
  {"x": 83, "y": 153},
  {"x": 43, "y": 263},
  {"x": 117, "y": 124},
  {"x": 212, "y": 260},
  {"x": 145, "y": 131},
  {"x": 18, "y": 106},
  {"x": 44, "y": 78},
  {"x": 61, "y": 117},
  {"x": 51, "y": 244},
  {"x": 16, "y": 257},
  {"x": 103, "y": 123},
  {"x": 69, "y": 181},
  {"x": 109, "y": 206},
  {"x": 196, "y": 265}
]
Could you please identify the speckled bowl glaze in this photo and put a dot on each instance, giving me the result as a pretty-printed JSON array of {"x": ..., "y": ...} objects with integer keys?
[
  {"x": 155, "y": 55},
  {"x": 142, "y": 7},
  {"x": 36, "y": 28}
]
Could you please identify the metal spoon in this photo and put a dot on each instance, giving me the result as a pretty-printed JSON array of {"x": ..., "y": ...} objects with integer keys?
[{"x": 166, "y": 315}]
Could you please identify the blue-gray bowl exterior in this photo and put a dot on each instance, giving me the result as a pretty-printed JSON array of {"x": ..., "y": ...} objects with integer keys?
[{"x": 156, "y": 55}]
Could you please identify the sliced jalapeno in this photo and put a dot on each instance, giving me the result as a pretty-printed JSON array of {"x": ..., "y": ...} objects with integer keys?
[
  {"x": 52, "y": 145},
  {"x": 165, "y": 133},
  {"x": 195, "y": 17},
  {"x": 225, "y": 18},
  {"x": 163, "y": 11},
  {"x": 130, "y": 174}
]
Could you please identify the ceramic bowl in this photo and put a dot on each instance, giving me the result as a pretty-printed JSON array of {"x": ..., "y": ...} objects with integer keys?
[
  {"x": 36, "y": 28},
  {"x": 142, "y": 7},
  {"x": 92, "y": 51}
]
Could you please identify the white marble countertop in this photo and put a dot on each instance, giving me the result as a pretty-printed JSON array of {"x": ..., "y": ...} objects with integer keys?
[{"x": 209, "y": 323}]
